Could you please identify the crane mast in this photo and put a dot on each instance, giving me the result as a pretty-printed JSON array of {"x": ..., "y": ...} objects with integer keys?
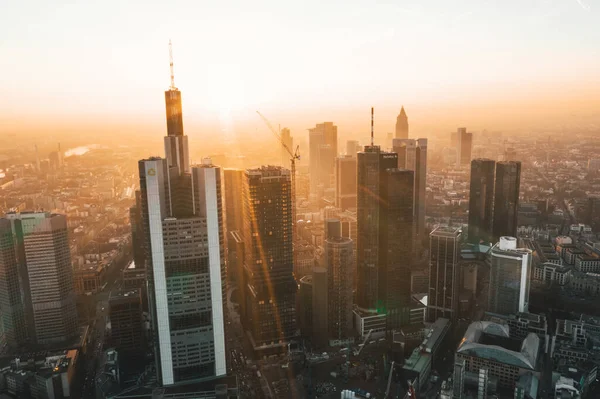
[{"x": 294, "y": 155}]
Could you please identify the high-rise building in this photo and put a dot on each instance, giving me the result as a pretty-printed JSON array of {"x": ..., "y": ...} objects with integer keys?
[
  {"x": 288, "y": 140},
  {"x": 510, "y": 276},
  {"x": 412, "y": 155},
  {"x": 45, "y": 276},
  {"x": 385, "y": 235},
  {"x": 176, "y": 143},
  {"x": 182, "y": 216},
  {"x": 463, "y": 142},
  {"x": 270, "y": 288},
  {"x": 233, "y": 180},
  {"x": 402, "y": 125},
  {"x": 12, "y": 317},
  {"x": 323, "y": 150},
  {"x": 444, "y": 275},
  {"x": 345, "y": 182},
  {"x": 506, "y": 199},
  {"x": 125, "y": 314},
  {"x": 339, "y": 262},
  {"x": 352, "y": 148},
  {"x": 481, "y": 200},
  {"x": 137, "y": 233}
]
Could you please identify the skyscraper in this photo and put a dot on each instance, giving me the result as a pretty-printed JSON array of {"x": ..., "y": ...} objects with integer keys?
[
  {"x": 339, "y": 262},
  {"x": 12, "y": 317},
  {"x": 345, "y": 182},
  {"x": 288, "y": 140},
  {"x": 125, "y": 314},
  {"x": 176, "y": 143},
  {"x": 45, "y": 276},
  {"x": 352, "y": 148},
  {"x": 444, "y": 275},
  {"x": 412, "y": 155},
  {"x": 385, "y": 234},
  {"x": 186, "y": 275},
  {"x": 323, "y": 150},
  {"x": 233, "y": 179},
  {"x": 402, "y": 125},
  {"x": 510, "y": 276},
  {"x": 463, "y": 142},
  {"x": 270, "y": 288},
  {"x": 481, "y": 200},
  {"x": 506, "y": 199}
]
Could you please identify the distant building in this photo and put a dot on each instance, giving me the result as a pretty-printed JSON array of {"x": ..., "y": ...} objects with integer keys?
[
  {"x": 402, "y": 125},
  {"x": 510, "y": 277},
  {"x": 352, "y": 148},
  {"x": 463, "y": 143},
  {"x": 444, "y": 274},
  {"x": 345, "y": 182},
  {"x": 288, "y": 140},
  {"x": 323, "y": 150}
]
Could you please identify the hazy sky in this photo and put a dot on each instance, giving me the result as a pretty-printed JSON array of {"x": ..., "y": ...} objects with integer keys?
[{"x": 110, "y": 58}]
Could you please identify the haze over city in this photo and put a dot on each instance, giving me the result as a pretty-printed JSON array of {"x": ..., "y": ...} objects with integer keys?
[{"x": 312, "y": 199}]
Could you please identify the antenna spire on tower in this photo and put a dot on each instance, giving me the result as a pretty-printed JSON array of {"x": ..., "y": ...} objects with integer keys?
[
  {"x": 372, "y": 140},
  {"x": 171, "y": 65}
]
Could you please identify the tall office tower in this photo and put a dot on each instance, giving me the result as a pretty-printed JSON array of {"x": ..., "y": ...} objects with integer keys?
[
  {"x": 288, "y": 140},
  {"x": 463, "y": 142},
  {"x": 323, "y": 150},
  {"x": 345, "y": 182},
  {"x": 46, "y": 275},
  {"x": 270, "y": 288},
  {"x": 421, "y": 186},
  {"x": 176, "y": 143},
  {"x": 320, "y": 301},
  {"x": 233, "y": 180},
  {"x": 412, "y": 155},
  {"x": 186, "y": 273},
  {"x": 352, "y": 148},
  {"x": 459, "y": 379},
  {"x": 481, "y": 200},
  {"x": 510, "y": 274},
  {"x": 339, "y": 261},
  {"x": 506, "y": 199},
  {"x": 12, "y": 317},
  {"x": 402, "y": 125},
  {"x": 125, "y": 314},
  {"x": 385, "y": 234},
  {"x": 444, "y": 273}
]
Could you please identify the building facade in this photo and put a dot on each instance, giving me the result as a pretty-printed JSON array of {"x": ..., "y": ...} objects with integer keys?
[
  {"x": 402, "y": 125},
  {"x": 510, "y": 277},
  {"x": 444, "y": 274},
  {"x": 323, "y": 150},
  {"x": 481, "y": 200},
  {"x": 345, "y": 182},
  {"x": 506, "y": 199},
  {"x": 269, "y": 287}
]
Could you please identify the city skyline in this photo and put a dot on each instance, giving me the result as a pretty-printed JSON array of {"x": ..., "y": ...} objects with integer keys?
[{"x": 101, "y": 77}]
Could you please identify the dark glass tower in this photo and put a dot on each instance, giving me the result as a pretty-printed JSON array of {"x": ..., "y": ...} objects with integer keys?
[
  {"x": 481, "y": 200},
  {"x": 269, "y": 286},
  {"x": 444, "y": 275},
  {"x": 385, "y": 234},
  {"x": 506, "y": 199}
]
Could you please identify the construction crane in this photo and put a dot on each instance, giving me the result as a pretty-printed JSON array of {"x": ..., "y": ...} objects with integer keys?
[{"x": 293, "y": 157}]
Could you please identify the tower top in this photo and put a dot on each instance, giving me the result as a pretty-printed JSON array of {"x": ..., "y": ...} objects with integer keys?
[
  {"x": 172, "y": 87},
  {"x": 402, "y": 111}
]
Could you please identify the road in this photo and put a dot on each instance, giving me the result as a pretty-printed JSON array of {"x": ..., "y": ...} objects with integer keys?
[{"x": 97, "y": 332}]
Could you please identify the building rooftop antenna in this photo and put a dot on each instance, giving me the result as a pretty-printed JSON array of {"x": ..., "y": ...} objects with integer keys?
[
  {"x": 372, "y": 139},
  {"x": 171, "y": 66}
]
